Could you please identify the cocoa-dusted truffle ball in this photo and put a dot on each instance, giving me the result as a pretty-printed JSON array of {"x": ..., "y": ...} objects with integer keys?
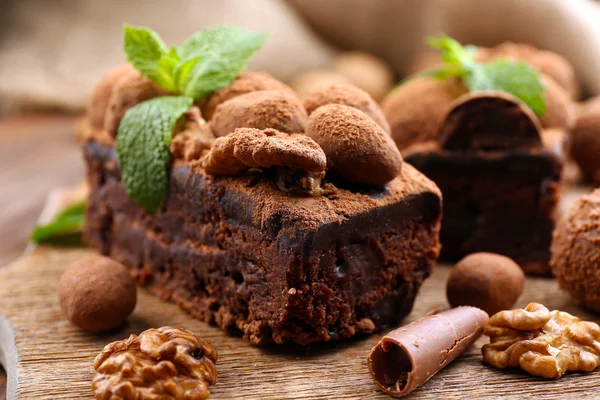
[
  {"x": 348, "y": 95},
  {"x": 366, "y": 71},
  {"x": 357, "y": 149},
  {"x": 97, "y": 293},
  {"x": 416, "y": 108},
  {"x": 575, "y": 251},
  {"x": 246, "y": 82},
  {"x": 485, "y": 280},
  {"x": 585, "y": 142},
  {"x": 314, "y": 79},
  {"x": 547, "y": 62},
  {"x": 560, "y": 110},
  {"x": 130, "y": 90},
  {"x": 261, "y": 110},
  {"x": 100, "y": 97}
]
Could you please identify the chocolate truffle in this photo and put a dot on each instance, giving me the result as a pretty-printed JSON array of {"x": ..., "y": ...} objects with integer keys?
[
  {"x": 348, "y": 95},
  {"x": 585, "y": 142},
  {"x": 308, "y": 81},
  {"x": 97, "y": 293},
  {"x": 261, "y": 110},
  {"x": 575, "y": 251},
  {"x": 560, "y": 110},
  {"x": 417, "y": 107},
  {"x": 488, "y": 281},
  {"x": 100, "y": 97},
  {"x": 246, "y": 82},
  {"x": 366, "y": 71},
  {"x": 128, "y": 91},
  {"x": 357, "y": 149}
]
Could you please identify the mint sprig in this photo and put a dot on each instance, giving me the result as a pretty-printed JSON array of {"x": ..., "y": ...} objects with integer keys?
[
  {"x": 207, "y": 61},
  {"x": 143, "y": 141},
  {"x": 514, "y": 77},
  {"x": 68, "y": 224}
]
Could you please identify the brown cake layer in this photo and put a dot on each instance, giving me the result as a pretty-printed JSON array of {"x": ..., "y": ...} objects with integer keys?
[
  {"x": 239, "y": 253},
  {"x": 496, "y": 201}
]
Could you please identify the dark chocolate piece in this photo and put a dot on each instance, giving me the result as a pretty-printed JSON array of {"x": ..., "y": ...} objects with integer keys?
[
  {"x": 489, "y": 121},
  {"x": 409, "y": 356},
  {"x": 240, "y": 253}
]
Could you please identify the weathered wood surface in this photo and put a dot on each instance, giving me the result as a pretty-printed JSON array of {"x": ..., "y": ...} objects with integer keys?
[{"x": 49, "y": 358}]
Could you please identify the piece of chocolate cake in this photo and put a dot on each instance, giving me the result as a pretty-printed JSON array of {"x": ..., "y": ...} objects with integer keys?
[
  {"x": 254, "y": 237},
  {"x": 499, "y": 173}
]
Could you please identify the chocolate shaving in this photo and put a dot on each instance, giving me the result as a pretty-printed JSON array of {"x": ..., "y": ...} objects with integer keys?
[
  {"x": 409, "y": 356},
  {"x": 489, "y": 121}
]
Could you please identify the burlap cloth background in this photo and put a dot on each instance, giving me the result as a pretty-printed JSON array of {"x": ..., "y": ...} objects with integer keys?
[{"x": 52, "y": 52}]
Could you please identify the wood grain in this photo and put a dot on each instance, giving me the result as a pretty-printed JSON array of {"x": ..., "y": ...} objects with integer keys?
[
  {"x": 53, "y": 359},
  {"x": 37, "y": 154}
]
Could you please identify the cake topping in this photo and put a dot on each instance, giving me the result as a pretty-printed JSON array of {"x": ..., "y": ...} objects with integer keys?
[
  {"x": 97, "y": 293},
  {"x": 416, "y": 109},
  {"x": 409, "y": 356},
  {"x": 144, "y": 119},
  {"x": 358, "y": 150},
  {"x": 246, "y": 82},
  {"x": 261, "y": 110},
  {"x": 547, "y": 62},
  {"x": 542, "y": 342},
  {"x": 347, "y": 95},
  {"x": 195, "y": 138},
  {"x": 298, "y": 159},
  {"x": 489, "y": 121},
  {"x": 488, "y": 281},
  {"x": 575, "y": 251},
  {"x": 165, "y": 363}
]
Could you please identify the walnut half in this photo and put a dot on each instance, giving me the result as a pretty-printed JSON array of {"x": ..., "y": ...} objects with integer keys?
[
  {"x": 542, "y": 342},
  {"x": 159, "y": 364}
]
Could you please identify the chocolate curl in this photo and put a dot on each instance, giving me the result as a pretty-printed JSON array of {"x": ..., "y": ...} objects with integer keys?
[{"x": 409, "y": 356}]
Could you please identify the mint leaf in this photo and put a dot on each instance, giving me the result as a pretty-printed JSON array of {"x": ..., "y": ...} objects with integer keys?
[
  {"x": 147, "y": 52},
  {"x": 143, "y": 141},
  {"x": 222, "y": 53},
  {"x": 516, "y": 78},
  {"x": 68, "y": 223},
  {"x": 453, "y": 52}
]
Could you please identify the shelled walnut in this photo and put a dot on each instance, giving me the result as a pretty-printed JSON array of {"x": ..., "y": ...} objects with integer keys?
[
  {"x": 542, "y": 342},
  {"x": 164, "y": 363}
]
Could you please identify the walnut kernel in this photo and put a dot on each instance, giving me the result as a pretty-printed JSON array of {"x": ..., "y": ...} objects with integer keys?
[
  {"x": 542, "y": 342},
  {"x": 164, "y": 363}
]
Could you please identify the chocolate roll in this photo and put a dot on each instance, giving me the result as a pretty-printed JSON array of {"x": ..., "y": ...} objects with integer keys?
[{"x": 409, "y": 356}]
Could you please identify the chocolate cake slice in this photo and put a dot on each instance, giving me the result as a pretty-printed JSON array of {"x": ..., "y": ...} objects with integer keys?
[
  {"x": 286, "y": 227},
  {"x": 240, "y": 253},
  {"x": 500, "y": 174}
]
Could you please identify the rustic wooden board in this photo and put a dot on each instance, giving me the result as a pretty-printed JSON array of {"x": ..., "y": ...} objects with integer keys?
[{"x": 46, "y": 357}]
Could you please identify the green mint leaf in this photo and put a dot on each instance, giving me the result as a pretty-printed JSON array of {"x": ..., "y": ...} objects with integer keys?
[
  {"x": 453, "y": 52},
  {"x": 148, "y": 54},
  {"x": 517, "y": 78},
  {"x": 143, "y": 141},
  {"x": 222, "y": 53},
  {"x": 67, "y": 224}
]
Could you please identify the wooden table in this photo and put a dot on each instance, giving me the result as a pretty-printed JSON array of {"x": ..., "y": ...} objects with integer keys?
[{"x": 37, "y": 154}]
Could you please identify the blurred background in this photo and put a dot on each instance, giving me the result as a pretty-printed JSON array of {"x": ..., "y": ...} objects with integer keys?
[{"x": 52, "y": 53}]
